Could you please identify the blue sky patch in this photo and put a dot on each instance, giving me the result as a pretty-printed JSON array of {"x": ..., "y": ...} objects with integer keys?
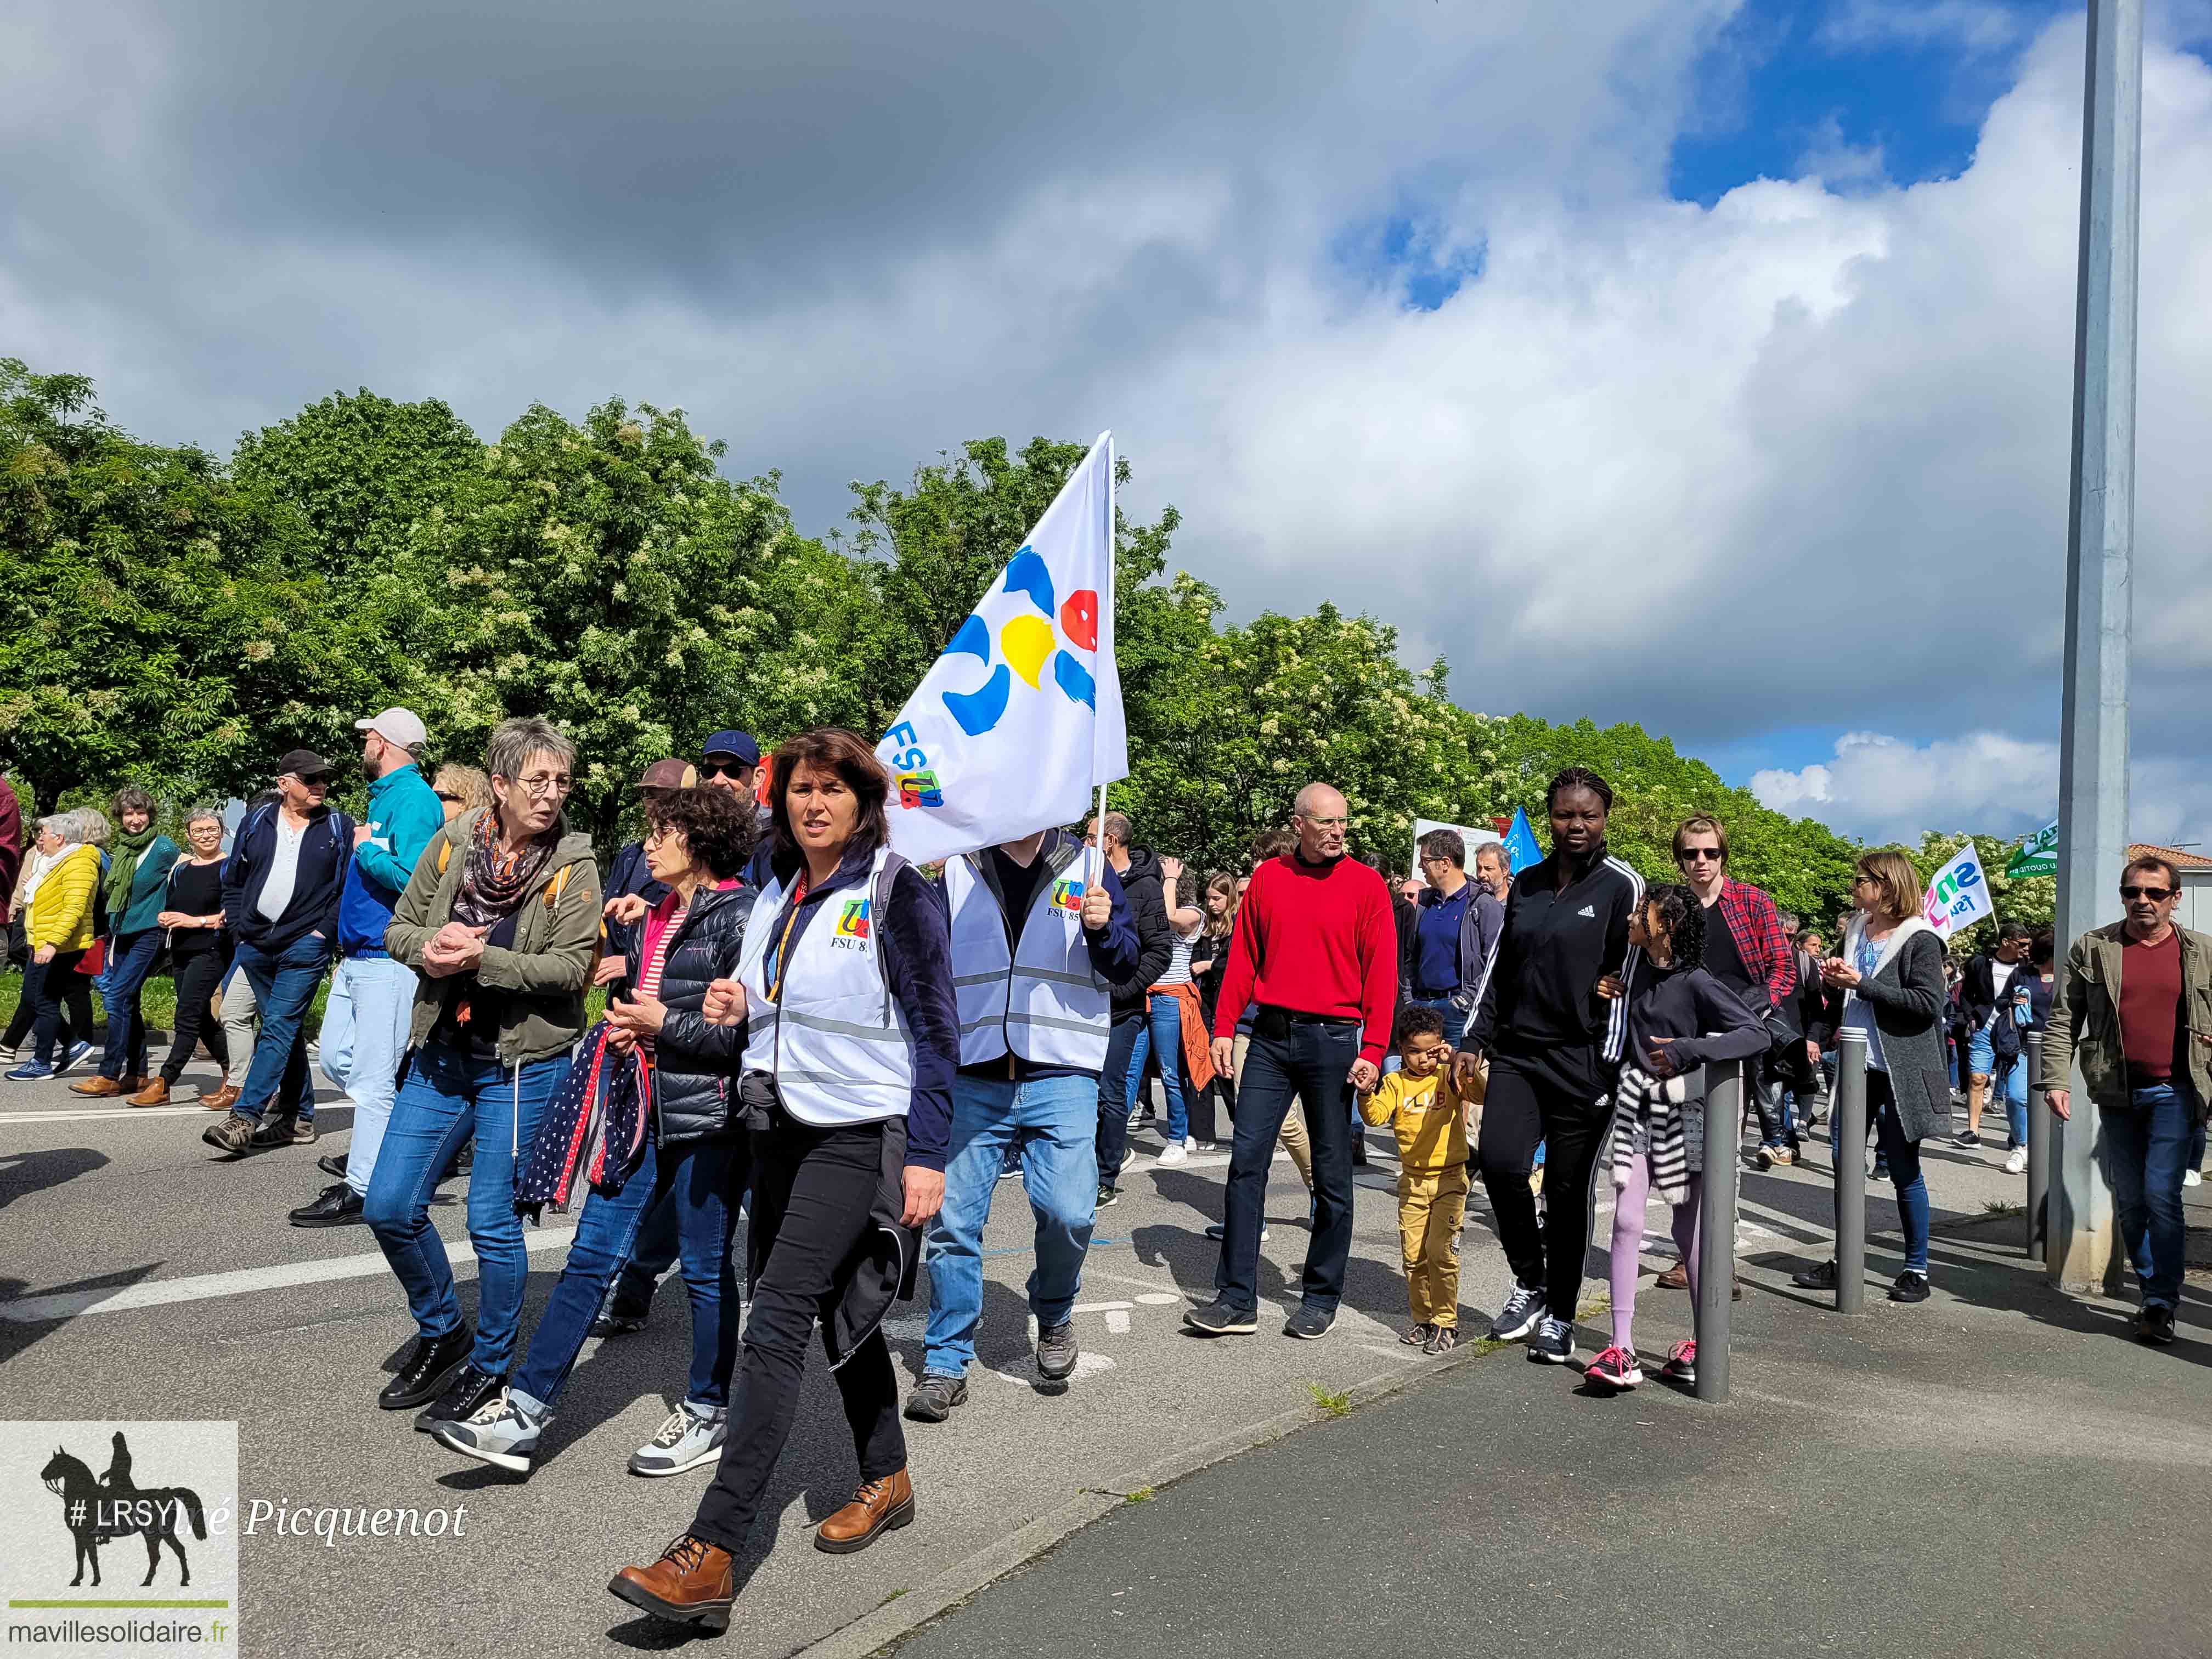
[{"x": 1410, "y": 253}]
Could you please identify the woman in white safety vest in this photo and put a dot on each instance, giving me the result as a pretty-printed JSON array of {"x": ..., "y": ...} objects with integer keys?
[
  {"x": 845, "y": 989},
  {"x": 1040, "y": 930}
]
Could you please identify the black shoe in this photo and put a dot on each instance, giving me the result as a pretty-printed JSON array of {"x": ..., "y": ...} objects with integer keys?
[
  {"x": 2155, "y": 1326},
  {"x": 1520, "y": 1315},
  {"x": 1910, "y": 1287},
  {"x": 1822, "y": 1277},
  {"x": 934, "y": 1397},
  {"x": 1109, "y": 1196},
  {"x": 1307, "y": 1323},
  {"x": 470, "y": 1389},
  {"x": 274, "y": 1130},
  {"x": 1217, "y": 1231},
  {"x": 1967, "y": 1137},
  {"x": 339, "y": 1207},
  {"x": 1220, "y": 1319},
  {"x": 1056, "y": 1350},
  {"x": 618, "y": 1322},
  {"x": 428, "y": 1366},
  {"x": 333, "y": 1164},
  {"x": 1554, "y": 1344}
]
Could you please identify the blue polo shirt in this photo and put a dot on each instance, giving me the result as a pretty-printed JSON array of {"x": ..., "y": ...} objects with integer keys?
[{"x": 1436, "y": 942}]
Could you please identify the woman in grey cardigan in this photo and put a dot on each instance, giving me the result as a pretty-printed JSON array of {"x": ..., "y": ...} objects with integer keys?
[{"x": 1890, "y": 979}]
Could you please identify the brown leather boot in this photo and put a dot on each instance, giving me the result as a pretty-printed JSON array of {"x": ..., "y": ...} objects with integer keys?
[
  {"x": 1676, "y": 1278},
  {"x": 223, "y": 1099},
  {"x": 693, "y": 1584},
  {"x": 880, "y": 1506},
  {"x": 100, "y": 1088},
  {"x": 156, "y": 1093}
]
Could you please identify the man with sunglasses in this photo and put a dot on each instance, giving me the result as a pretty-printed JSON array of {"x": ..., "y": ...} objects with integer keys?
[
  {"x": 281, "y": 885},
  {"x": 1752, "y": 954},
  {"x": 2134, "y": 1007}
]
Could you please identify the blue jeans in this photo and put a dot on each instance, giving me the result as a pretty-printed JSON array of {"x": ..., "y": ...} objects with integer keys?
[
  {"x": 1162, "y": 1029},
  {"x": 1115, "y": 1092},
  {"x": 130, "y": 958},
  {"x": 1311, "y": 1064},
  {"x": 1903, "y": 1158},
  {"x": 698, "y": 1173},
  {"x": 365, "y": 1027},
  {"x": 1050, "y": 1120},
  {"x": 2012, "y": 1083},
  {"x": 2144, "y": 1149},
  {"x": 283, "y": 989},
  {"x": 448, "y": 1098}
]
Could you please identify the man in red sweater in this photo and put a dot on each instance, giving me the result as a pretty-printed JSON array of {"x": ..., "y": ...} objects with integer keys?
[{"x": 1316, "y": 948}]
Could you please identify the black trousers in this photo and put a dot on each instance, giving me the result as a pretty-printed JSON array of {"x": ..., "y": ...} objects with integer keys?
[
  {"x": 812, "y": 1190},
  {"x": 197, "y": 975},
  {"x": 1563, "y": 1098},
  {"x": 48, "y": 986},
  {"x": 1309, "y": 1064},
  {"x": 27, "y": 1006}
]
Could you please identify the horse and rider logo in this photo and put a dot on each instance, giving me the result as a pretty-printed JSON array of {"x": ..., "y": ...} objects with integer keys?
[{"x": 99, "y": 1511}]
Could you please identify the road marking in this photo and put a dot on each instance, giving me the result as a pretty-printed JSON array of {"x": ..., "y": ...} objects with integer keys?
[
  {"x": 1095, "y": 1307},
  {"x": 1087, "y": 1364},
  {"x": 108, "y": 1111},
  {"x": 1117, "y": 1322},
  {"x": 1091, "y": 1270},
  {"x": 1157, "y": 1299},
  {"x": 200, "y": 1287}
]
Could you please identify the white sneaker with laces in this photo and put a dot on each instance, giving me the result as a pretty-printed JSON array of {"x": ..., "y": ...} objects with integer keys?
[
  {"x": 1173, "y": 1153},
  {"x": 2016, "y": 1163},
  {"x": 685, "y": 1441},
  {"x": 500, "y": 1433},
  {"x": 2191, "y": 1178}
]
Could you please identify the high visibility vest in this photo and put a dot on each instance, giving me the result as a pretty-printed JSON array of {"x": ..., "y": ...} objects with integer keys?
[
  {"x": 835, "y": 1041},
  {"x": 1041, "y": 1000}
]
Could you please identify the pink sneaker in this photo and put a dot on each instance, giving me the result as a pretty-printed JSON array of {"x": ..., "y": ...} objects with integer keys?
[
  {"x": 1681, "y": 1365},
  {"x": 1616, "y": 1368}
]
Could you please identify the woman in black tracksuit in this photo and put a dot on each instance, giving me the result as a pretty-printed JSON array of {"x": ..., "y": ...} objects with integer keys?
[{"x": 1554, "y": 1045}]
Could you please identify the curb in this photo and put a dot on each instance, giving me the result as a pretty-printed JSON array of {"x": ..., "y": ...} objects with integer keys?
[{"x": 900, "y": 1617}]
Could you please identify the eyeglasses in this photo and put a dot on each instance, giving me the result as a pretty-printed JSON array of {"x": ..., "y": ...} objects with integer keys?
[
  {"x": 446, "y": 795},
  {"x": 718, "y": 769},
  {"x": 552, "y": 786},
  {"x": 1698, "y": 854},
  {"x": 662, "y": 832},
  {"x": 313, "y": 780},
  {"x": 2155, "y": 895}
]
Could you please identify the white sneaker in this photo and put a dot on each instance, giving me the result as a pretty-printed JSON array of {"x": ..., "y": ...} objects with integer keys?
[
  {"x": 2191, "y": 1178},
  {"x": 1174, "y": 1152},
  {"x": 1190, "y": 1143},
  {"x": 2016, "y": 1162},
  {"x": 685, "y": 1441}
]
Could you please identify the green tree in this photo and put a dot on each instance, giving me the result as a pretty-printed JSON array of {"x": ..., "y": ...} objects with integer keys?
[{"x": 2031, "y": 900}]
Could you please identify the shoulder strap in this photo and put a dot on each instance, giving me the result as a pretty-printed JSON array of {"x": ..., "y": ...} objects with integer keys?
[
  {"x": 886, "y": 878},
  {"x": 560, "y": 880},
  {"x": 445, "y": 855}
]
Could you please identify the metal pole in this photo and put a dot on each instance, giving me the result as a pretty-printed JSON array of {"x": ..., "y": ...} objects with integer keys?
[
  {"x": 1851, "y": 1120},
  {"x": 1717, "y": 1228},
  {"x": 2093, "y": 749},
  {"x": 2038, "y": 1149}
]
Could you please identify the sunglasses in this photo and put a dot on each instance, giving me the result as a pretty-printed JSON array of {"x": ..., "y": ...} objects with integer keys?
[
  {"x": 2155, "y": 895},
  {"x": 313, "y": 780},
  {"x": 719, "y": 769},
  {"x": 447, "y": 794},
  {"x": 1698, "y": 854}
]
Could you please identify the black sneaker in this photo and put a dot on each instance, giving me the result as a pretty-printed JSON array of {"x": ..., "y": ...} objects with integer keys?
[
  {"x": 1109, "y": 1197},
  {"x": 2155, "y": 1326},
  {"x": 1308, "y": 1323},
  {"x": 273, "y": 1130},
  {"x": 1822, "y": 1277},
  {"x": 1519, "y": 1315},
  {"x": 618, "y": 1322},
  {"x": 1965, "y": 1137},
  {"x": 337, "y": 1207},
  {"x": 1217, "y": 1231},
  {"x": 1910, "y": 1287},
  {"x": 428, "y": 1366},
  {"x": 934, "y": 1397},
  {"x": 1056, "y": 1352},
  {"x": 468, "y": 1393},
  {"x": 1220, "y": 1319},
  {"x": 333, "y": 1164},
  {"x": 1554, "y": 1344}
]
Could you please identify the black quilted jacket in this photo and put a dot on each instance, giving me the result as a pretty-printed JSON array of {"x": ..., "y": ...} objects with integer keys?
[{"x": 696, "y": 1063}]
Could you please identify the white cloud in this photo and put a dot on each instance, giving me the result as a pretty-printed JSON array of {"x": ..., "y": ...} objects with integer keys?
[{"x": 1975, "y": 25}]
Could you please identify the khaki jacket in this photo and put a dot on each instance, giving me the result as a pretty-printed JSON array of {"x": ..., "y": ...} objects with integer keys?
[
  {"x": 2085, "y": 1018},
  {"x": 547, "y": 971}
]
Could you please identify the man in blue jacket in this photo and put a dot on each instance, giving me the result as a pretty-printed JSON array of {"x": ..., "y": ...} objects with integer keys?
[
  {"x": 280, "y": 887},
  {"x": 372, "y": 997}
]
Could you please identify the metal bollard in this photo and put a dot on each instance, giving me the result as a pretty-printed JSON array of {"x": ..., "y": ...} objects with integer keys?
[
  {"x": 1716, "y": 1227},
  {"x": 1850, "y": 1120},
  {"x": 2040, "y": 1135}
]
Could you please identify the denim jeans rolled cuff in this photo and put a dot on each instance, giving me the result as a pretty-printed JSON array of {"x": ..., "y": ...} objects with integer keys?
[
  {"x": 2145, "y": 1150},
  {"x": 1051, "y": 1120},
  {"x": 695, "y": 1175},
  {"x": 450, "y": 1099}
]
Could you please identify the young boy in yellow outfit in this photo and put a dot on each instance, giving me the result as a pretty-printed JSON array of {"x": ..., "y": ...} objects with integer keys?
[{"x": 1433, "y": 1125}]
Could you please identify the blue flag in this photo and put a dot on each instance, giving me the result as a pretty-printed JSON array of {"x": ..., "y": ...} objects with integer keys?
[{"x": 1521, "y": 843}]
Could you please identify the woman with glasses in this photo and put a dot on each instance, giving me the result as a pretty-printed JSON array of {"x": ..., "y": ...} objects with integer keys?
[
  {"x": 501, "y": 920},
  {"x": 200, "y": 949},
  {"x": 58, "y": 927},
  {"x": 1886, "y": 985},
  {"x": 460, "y": 789}
]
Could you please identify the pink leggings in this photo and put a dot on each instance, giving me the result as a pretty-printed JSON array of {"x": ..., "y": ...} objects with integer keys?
[{"x": 1628, "y": 1202}]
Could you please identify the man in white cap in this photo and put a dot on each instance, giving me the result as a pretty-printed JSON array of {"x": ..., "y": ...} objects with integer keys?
[{"x": 372, "y": 997}]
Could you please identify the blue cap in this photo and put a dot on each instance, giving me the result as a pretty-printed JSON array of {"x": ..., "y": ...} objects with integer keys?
[{"x": 737, "y": 744}]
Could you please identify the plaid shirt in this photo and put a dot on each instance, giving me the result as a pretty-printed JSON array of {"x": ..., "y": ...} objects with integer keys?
[{"x": 1768, "y": 953}]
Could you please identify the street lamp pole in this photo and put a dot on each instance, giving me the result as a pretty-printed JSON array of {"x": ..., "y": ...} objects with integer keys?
[{"x": 2092, "y": 765}]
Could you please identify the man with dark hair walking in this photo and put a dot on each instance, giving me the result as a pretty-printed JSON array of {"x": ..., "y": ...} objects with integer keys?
[
  {"x": 1316, "y": 948},
  {"x": 1138, "y": 871},
  {"x": 1992, "y": 1044}
]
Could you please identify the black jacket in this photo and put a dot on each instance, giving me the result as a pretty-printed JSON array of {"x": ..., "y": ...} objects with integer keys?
[
  {"x": 1542, "y": 994},
  {"x": 1140, "y": 886},
  {"x": 630, "y": 873},
  {"x": 325, "y": 855},
  {"x": 694, "y": 1062}
]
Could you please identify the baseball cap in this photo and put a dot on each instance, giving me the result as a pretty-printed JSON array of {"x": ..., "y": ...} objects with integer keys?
[
  {"x": 401, "y": 726},
  {"x": 739, "y": 744},
  {"x": 670, "y": 775},
  {"x": 303, "y": 763}
]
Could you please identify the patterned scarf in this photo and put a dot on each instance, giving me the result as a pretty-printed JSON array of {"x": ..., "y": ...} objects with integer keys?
[
  {"x": 1661, "y": 1099},
  {"x": 493, "y": 883}
]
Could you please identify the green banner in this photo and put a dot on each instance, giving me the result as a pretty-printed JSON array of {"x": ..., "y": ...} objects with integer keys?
[{"x": 2037, "y": 855}]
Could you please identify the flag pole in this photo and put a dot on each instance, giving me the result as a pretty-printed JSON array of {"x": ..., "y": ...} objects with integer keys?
[{"x": 1107, "y": 616}]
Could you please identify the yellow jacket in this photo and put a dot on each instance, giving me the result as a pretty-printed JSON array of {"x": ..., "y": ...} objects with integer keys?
[
  {"x": 61, "y": 910},
  {"x": 1429, "y": 1116}
]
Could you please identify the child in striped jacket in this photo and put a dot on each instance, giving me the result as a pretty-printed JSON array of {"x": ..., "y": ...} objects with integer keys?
[{"x": 1679, "y": 1018}]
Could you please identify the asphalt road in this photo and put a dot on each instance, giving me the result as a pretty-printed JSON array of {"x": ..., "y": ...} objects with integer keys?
[{"x": 139, "y": 1278}]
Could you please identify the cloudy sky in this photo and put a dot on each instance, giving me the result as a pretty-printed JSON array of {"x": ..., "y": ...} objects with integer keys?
[{"x": 1705, "y": 363}]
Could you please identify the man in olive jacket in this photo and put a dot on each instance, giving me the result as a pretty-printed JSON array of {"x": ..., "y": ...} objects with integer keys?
[{"x": 2134, "y": 1007}]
